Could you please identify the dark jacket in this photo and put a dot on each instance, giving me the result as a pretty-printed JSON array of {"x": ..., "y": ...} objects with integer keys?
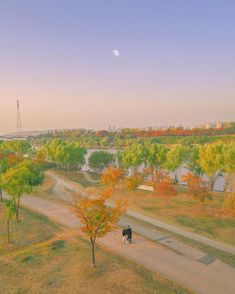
[{"x": 129, "y": 233}]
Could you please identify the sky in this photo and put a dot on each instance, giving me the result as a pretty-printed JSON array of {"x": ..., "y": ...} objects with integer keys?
[{"x": 176, "y": 63}]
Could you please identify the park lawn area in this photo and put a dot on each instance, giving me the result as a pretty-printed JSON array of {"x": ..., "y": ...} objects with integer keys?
[
  {"x": 45, "y": 190},
  {"x": 45, "y": 258},
  {"x": 78, "y": 177},
  {"x": 182, "y": 211}
]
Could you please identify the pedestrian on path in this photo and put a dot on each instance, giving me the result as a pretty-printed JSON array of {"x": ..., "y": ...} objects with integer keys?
[
  {"x": 129, "y": 234},
  {"x": 124, "y": 235}
]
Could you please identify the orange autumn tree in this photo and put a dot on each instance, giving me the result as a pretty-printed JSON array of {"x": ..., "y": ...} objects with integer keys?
[
  {"x": 111, "y": 176},
  {"x": 165, "y": 188},
  {"x": 96, "y": 217},
  {"x": 196, "y": 188},
  {"x": 189, "y": 178}
]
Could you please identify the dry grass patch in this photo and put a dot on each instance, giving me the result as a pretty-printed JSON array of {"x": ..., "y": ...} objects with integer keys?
[{"x": 52, "y": 260}]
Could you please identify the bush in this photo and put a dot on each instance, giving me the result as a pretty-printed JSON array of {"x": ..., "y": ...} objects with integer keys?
[
  {"x": 229, "y": 205},
  {"x": 131, "y": 183}
]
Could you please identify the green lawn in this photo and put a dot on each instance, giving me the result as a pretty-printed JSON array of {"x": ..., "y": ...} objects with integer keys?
[{"x": 45, "y": 258}]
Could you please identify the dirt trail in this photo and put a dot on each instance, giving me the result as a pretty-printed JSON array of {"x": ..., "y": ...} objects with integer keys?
[
  {"x": 215, "y": 278},
  {"x": 213, "y": 243}
]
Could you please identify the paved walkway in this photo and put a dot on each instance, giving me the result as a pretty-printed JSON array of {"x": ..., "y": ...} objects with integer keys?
[
  {"x": 216, "y": 244},
  {"x": 215, "y": 278}
]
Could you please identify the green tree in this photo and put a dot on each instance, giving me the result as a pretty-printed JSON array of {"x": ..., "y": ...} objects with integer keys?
[
  {"x": 17, "y": 147},
  {"x": 228, "y": 165},
  {"x": 3, "y": 168},
  {"x": 100, "y": 160},
  {"x": 192, "y": 162},
  {"x": 175, "y": 159},
  {"x": 211, "y": 161},
  {"x": 133, "y": 157},
  {"x": 15, "y": 183},
  {"x": 66, "y": 155},
  {"x": 10, "y": 212},
  {"x": 36, "y": 174},
  {"x": 156, "y": 157}
]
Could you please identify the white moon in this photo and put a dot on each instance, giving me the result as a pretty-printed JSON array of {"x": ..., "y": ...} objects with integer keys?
[{"x": 116, "y": 53}]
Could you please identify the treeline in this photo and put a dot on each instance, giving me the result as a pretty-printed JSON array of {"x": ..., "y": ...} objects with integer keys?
[
  {"x": 105, "y": 139},
  {"x": 210, "y": 160},
  {"x": 161, "y": 166},
  {"x": 65, "y": 155}
]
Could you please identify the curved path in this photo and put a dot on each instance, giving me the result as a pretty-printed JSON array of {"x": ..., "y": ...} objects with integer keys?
[
  {"x": 215, "y": 278},
  {"x": 71, "y": 185}
]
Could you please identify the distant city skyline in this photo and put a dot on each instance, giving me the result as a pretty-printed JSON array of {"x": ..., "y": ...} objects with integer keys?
[
  {"x": 204, "y": 125},
  {"x": 95, "y": 64}
]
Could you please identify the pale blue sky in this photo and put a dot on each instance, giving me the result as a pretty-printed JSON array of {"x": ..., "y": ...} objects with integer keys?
[{"x": 176, "y": 63}]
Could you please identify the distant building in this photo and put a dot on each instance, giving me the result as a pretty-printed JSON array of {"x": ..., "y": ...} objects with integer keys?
[{"x": 219, "y": 125}]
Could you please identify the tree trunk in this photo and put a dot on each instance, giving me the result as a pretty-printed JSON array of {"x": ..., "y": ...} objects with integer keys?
[
  {"x": 1, "y": 194},
  {"x": 227, "y": 184},
  {"x": 212, "y": 183},
  {"x": 93, "y": 253},
  {"x": 17, "y": 208},
  {"x": 8, "y": 231}
]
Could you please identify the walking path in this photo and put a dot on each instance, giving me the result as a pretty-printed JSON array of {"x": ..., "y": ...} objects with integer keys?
[
  {"x": 215, "y": 278},
  {"x": 71, "y": 185},
  {"x": 87, "y": 176}
]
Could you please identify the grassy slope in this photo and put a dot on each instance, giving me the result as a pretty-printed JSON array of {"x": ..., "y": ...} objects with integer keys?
[
  {"x": 183, "y": 212},
  {"x": 44, "y": 258},
  {"x": 211, "y": 226}
]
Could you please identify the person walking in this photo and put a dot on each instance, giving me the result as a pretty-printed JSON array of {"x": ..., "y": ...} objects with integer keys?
[
  {"x": 124, "y": 235},
  {"x": 129, "y": 234}
]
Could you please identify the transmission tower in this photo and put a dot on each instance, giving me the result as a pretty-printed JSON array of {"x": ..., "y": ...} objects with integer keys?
[{"x": 19, "y": 126}]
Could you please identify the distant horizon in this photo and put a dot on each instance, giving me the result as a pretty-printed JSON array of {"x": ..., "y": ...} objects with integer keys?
[
  {"x": 83, "y": 64},
  {"x": 112, "y": 127}
]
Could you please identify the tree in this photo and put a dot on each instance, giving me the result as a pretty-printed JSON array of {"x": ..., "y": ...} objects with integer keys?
[
  {"x": 4, "y": 165},
  {"x": 111, "y": 176},
  {"x": 189, "y": 178},
  {"x": 16, "y": 182},
  {"x": 10, "y": 212},
  {"x": 229, "y": 205},
  {"x": 197, "y": 189},
  {"x": 97, "y": 219},
  {"x": 66, "y": 155},
  {"x": 228, "y": 165},
  {"x": 131, "y": 183},
  {"x": 211, "y": 161},
  {"x": 156, "y": 157},
  {"x": 35, "y": 172},
  {"x": 133, "y": 157},
  {"x": 192, "y": 162},
  {"x": 175, "y": 159},
  {"x": 17, "y": 147},
  {"x": 166, "y": 189},
  {"x": 100, "y": 160}
]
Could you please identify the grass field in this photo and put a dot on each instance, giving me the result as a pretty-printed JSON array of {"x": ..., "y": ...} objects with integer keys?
[
  {"x": 184, "y": 212},
  {"x": 44, "y": 258},
  {"x": 181, "y": 210},
  {"x": 223, "y": 256}
]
